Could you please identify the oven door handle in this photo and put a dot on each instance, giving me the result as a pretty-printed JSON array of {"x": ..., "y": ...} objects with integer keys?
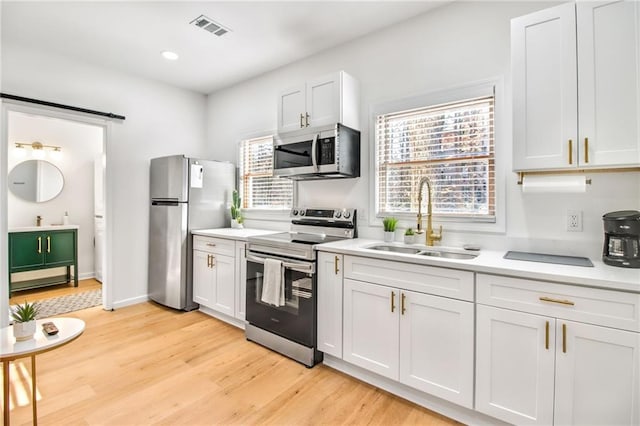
[{"x": 307, "y": 268}]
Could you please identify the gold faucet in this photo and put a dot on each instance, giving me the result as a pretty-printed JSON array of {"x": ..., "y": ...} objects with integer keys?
[{"x": 431, "y": 236}]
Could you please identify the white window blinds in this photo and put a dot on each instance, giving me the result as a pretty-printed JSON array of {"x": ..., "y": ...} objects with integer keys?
[
  {"x": 258, "y": 188},
  {"x": 450, "y": 143}
]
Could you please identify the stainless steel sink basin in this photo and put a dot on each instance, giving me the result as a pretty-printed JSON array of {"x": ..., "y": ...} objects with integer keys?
[
  {"x": 433, "y": 252},
  {"x": 396, "y": 249},
  {"x": 448, "y": 254}
]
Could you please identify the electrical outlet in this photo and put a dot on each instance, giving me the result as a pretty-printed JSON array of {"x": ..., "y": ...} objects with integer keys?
[{"x": 574, "y": 220}]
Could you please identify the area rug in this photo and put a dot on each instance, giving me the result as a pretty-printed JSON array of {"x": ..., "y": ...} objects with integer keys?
[{"x": 70, "y": 303}]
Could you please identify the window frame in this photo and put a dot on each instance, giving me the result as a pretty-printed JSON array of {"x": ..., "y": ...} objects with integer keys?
[
  {"x": 262, "y": 214},
  {"x": 443, "y": 96}
]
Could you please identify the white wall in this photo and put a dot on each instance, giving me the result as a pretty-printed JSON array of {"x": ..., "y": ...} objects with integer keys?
[
  {"x": 160, "y": 120},
  {"x": 454, "y": 45},
  {"x": 80, "y": 145}
]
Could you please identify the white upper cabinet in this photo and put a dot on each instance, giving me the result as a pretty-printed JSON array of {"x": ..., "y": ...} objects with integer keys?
[
  {"x": 576, "y": 86},
  {"x": 321, "y": 101}
]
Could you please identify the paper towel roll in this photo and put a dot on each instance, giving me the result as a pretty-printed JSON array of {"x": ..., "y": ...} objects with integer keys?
[{"x": 554, "y": 183}]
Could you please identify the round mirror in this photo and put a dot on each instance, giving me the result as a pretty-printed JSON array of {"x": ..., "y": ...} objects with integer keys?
[{"x": 36, "y": 180}]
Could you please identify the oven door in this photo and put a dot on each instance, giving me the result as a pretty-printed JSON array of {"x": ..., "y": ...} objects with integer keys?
[{"x": 296, "y": 320}]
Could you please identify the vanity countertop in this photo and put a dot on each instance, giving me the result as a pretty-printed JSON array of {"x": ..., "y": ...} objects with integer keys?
[{"x": 43, "y": 228}]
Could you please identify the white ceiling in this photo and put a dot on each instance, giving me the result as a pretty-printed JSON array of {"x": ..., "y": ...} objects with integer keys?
[{"x": 129, "y": 36}]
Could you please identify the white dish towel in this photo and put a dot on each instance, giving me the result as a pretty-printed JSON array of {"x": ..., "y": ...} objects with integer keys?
[{"x": 273, "y": 283}]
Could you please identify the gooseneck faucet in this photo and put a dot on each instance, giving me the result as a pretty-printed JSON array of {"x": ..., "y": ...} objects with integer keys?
[{"x": 430, "y": 235}]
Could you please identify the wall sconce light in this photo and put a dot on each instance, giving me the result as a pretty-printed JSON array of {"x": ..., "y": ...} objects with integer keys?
[{"x": 38, "y": 150}]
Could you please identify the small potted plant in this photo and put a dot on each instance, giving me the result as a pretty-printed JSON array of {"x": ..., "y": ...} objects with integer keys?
[
  {"x": 24, "y": 320},
  {"x": 409, "y": 236},
  {"x": 389, "y": 224},
  {"x": 236, "y": 216}
]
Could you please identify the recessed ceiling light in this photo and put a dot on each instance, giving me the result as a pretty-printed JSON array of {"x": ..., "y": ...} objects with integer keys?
[{"x": 172, "y": 56}]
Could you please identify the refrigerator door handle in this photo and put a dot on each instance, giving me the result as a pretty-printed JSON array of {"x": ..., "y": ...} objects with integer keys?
[{"x": 165, "y": 202}]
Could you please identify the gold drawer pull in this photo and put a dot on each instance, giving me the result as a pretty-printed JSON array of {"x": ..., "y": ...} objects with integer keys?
[
  {"x": 402, "y": 308},
  {"x": 562, "y": 302},
  {"x": 564, "y": 338},
  {"x": 301, "y": 121},
  {"x": 39, "y": 244},
  {"x": 335, "y": 265},
  {"x": 393, "y": 301},
  {"x": 211, "y": 245},
  {"x": 48, "y": 244},
  {"x": 570, "y": 151}
]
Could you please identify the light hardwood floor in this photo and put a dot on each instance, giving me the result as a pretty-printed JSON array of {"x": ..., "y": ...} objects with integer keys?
[
  {"x": 54, "y": 291},
  {"x": 146, "y": 364}
]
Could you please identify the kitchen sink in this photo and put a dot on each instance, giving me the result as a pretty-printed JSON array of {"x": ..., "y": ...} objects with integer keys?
[
  {"x": 433, "y": 252},
  {"x": 396, "y": 249},
  {"x": 448, "y": 254}
]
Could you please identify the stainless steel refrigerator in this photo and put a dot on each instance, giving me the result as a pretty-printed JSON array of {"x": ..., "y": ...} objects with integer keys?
[{"x": 186, "y": 194}]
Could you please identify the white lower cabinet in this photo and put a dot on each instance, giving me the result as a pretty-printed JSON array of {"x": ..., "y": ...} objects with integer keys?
[
  {"x": 241, "y": 280},
  {"x": 329, "y": 335},
  {"x": 214, "y": 284},
  {"x": 533, "y": 368},
  {"x": 421, "y": 340}
]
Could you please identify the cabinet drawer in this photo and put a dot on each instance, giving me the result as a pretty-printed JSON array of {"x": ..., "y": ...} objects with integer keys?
[
  {"x": 214, "y": 245},
  {"x": 423, "y": 279},
  {"x": 596, "y": 306}
]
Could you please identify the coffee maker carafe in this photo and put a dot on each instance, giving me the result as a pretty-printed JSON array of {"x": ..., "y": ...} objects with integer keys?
[{"x": 622, "y": 239}]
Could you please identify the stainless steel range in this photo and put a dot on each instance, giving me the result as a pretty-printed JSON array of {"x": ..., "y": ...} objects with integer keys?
[{"x": 288, "y": 324}]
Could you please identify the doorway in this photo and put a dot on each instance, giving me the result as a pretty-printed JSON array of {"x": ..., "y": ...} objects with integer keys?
[{"x": 74, "y": 145}]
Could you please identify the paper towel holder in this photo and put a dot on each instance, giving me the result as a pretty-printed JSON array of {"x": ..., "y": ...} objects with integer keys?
[{"x": 522, "y": 174}]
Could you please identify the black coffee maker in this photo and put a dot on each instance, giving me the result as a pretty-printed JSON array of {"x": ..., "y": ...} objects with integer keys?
[{"x": 622, "y": 239}]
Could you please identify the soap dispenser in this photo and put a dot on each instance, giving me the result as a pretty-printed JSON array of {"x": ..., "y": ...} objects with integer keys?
[{"x": 65, "y": 218}]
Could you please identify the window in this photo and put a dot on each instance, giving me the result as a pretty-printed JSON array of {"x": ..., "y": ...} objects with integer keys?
[
  {"x": 258, "y": 188},
  {"x": 452, "y": 143}
]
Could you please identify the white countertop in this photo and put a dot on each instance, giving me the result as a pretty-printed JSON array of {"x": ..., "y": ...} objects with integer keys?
[
  {"x": 232, "y": 233},
  {"x": 492, "y": 262},
  {"x": 42, "y": 228}
]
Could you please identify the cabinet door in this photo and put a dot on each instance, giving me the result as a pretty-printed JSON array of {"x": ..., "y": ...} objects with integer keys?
[
  {"x": 371, "y": 334},
  {"x": 515, "y": 365},
  {"x": 323, "y": 100},
  {"x": 291, "y": 109},
  {"x": 224, "y": 284},
  {"x": 241, "y": 280},
  {"x": 436, "y": 346},
  {"x": 330, "y": 303},
  {"x": 27, "y": 250},
  {"x": 597, "y": 375},
  {"x": 609, "y": 82},
  {"x": 543, "y": 70},
  {"x": 60, "y": 247},
  {"x": 202, "y": 278}
]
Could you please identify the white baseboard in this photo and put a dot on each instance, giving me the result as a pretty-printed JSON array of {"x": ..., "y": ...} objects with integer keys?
[
  {"x": 222, "y": 317},
  {"x": 129, "y": 302}
]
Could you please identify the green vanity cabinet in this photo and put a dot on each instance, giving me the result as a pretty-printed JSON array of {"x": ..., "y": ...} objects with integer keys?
[{"x": 30, "y": 251}]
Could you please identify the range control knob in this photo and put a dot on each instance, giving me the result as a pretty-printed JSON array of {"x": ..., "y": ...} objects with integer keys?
[
  {"x": 338, "y": 214},
  {"x": 301, "y": 212},
  {"x": 347, "y": 215},
  {"x": 294, "y": 212}
]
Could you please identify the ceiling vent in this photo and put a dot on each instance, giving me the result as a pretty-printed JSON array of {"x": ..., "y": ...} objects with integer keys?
[{"x": 210, "y": 25}]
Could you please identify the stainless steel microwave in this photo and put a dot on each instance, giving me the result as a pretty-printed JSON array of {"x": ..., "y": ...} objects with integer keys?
[{"x": 328, "y": 152}]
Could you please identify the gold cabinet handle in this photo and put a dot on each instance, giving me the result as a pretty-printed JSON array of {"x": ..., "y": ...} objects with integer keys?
[
  {"x": 210, "y": 245},
  {"x": 301, "y": 121},
  {"x": 402, "y": 299},
  {"x": 39, "y": 244},
  {"x": 393, "y": 301},
  {"x": 307, "y": 120},
  {"x": 586, "y": 150},
  {"x": 570, "y": 151},
  {"x": 335, "y": 265},
  {"x": 48, "y": 244},
  {"x": 213, "y": 261},
  {"x": 546, "y": 335},
  {"x": 551, "y": 300},
  {"x": 564, "y": 338},
  {"x": 208, "y": 261}
]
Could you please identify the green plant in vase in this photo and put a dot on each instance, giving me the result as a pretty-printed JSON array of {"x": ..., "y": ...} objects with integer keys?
[
  {"x": 236, "y": 214},
  {"x": 389, "y": 224},
  {"x": 24, "y": 320},
  {"x": 409, "y": 236}
]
